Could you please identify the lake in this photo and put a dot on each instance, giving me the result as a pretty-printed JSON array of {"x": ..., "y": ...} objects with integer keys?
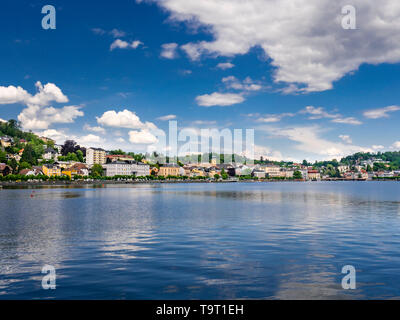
[{"x": 202, "y": 241}]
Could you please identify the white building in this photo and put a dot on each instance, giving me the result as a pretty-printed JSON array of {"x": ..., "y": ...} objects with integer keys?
[
  {"x": 127, "y": 169},
  {"x": 95, "y": 156}
]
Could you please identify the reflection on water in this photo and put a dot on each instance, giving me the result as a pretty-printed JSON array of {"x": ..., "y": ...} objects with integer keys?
[{"x": 206, "y": 241}]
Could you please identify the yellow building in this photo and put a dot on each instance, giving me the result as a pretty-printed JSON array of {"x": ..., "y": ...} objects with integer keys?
[
  {"x": 169, "y": 170},
  {"x": 51, "y": 170},
  {"x": 70, "y": 173}
]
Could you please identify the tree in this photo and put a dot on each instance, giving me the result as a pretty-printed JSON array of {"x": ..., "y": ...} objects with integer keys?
[
  {"x": 24, "y": 165},
  {"x": 305, "y": 163},
  {"x": 297, "y": 175},
  {"x": 79, "y": 154},
  {"x": 68, "y": 147},
  {"x": 216, "y": 176},
  {"x": 118, "y": 152},
  {"x": 13, "y": 164},
  {"x": 369, "y": 169},
  {"x": 97, "y": 170},
  {"x": 28, "y": 155},
  {"x": 3, "y": 156}
]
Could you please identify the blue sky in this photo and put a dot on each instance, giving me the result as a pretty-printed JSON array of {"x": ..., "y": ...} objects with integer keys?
[{"x": 309, "y": 88}]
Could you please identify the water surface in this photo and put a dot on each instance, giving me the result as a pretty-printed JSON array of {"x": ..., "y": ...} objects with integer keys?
[{"x": 202, "y": 241}]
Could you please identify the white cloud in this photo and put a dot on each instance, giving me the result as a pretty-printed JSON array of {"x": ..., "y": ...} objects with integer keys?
[
  {"x": 47, "y": 93},
  {"x": 348, "y": 120},
  {"x": 94, "y": 129},
  {"x": 219, "y": 99},
  {"x": 271, "y": 118},
  {"x": 142, "y": 137},
  {"x": 225, "y": 65},
  {"x": 117, "y": 33},
  {"x": 320, "y": 113},
  {"x": 308, "y": 140},
  {"x": 89, "y": 140},
  {"x": 2, "y": 120},
  {"x": 380, "y": 113},
  {"x": 35, "y": 117},
  {"x": 346, "y": 138},
  {"x": 378, "y": 147},
  {"x": 396, "y": 145},
  {"x": 57, "y": 135},
  {"x": 121, "y": 44},
  {"x": 99, "y": 31},
  {"x": 167, "y": 117},
  {"x": 317, "y": 113},
  {"x": 247, "y": 84},
  {"x": 38, "y": 115},
  {"x": 303, "y": 38},
  {"x": 123, "y": 119},
  {"x": 11, "y": 94},
  {"x": 169, "y": 50}
]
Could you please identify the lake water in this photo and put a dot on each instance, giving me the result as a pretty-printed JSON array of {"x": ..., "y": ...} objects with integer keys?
[{"x": 202, "y": 241}]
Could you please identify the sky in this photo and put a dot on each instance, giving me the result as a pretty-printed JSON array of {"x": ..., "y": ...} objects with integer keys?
[{"x": 112, "y": 72}]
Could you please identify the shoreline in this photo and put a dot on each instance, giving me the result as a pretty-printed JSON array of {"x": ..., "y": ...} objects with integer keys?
[{"x": 102, "y": 183}]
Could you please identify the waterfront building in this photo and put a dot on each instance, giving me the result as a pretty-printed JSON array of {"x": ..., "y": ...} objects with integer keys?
[
  {"x": 258, "y": 173},
  {"x": 314, "y": 175},
  {"x": 169, "y": 170},
  {"x": 95, "y": 156},
  {"x": 126, "y": 168},
  {"x": 51, "y": 170}
]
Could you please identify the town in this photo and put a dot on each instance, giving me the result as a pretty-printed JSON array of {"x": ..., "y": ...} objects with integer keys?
[{"x": 26, "y": 157}]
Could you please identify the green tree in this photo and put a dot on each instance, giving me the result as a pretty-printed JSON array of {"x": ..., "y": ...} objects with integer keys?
[
  {"x": 3, "y": 156},
  {"x": 297, "y": 175},
  {"x": 13, "y": 164},
  {"x": 216, "y": 176},
  {"x": 97, "y": 170},
  {"x": 24, "y": 165},
  {"x": 79, "y": 154},
  {"x": 28, "y": 155}
]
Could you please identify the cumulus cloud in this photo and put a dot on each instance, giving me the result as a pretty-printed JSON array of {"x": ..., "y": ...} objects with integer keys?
[
  {"x": 11, "y": 94},
  {"x": 169, "y": 50},
  {"x": 123, "y": 119},
  {"x": 303, "y": 38},
  {"x": 219, "y": 99},
  {"x": 89, "y": 140},
  {"x": 35, "y": 117},
  {"x": 101, "y": 130},
  {"x": 380, "y": 113},
  {"x": 167, "y": 117},
  {"x": 142, "y": 137},
  {"x": 38, "y": 115},
  {"x": 225, "y": 65},
  {"x": 271, "y": 118},
  {"x": 121, "y": 44}
]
